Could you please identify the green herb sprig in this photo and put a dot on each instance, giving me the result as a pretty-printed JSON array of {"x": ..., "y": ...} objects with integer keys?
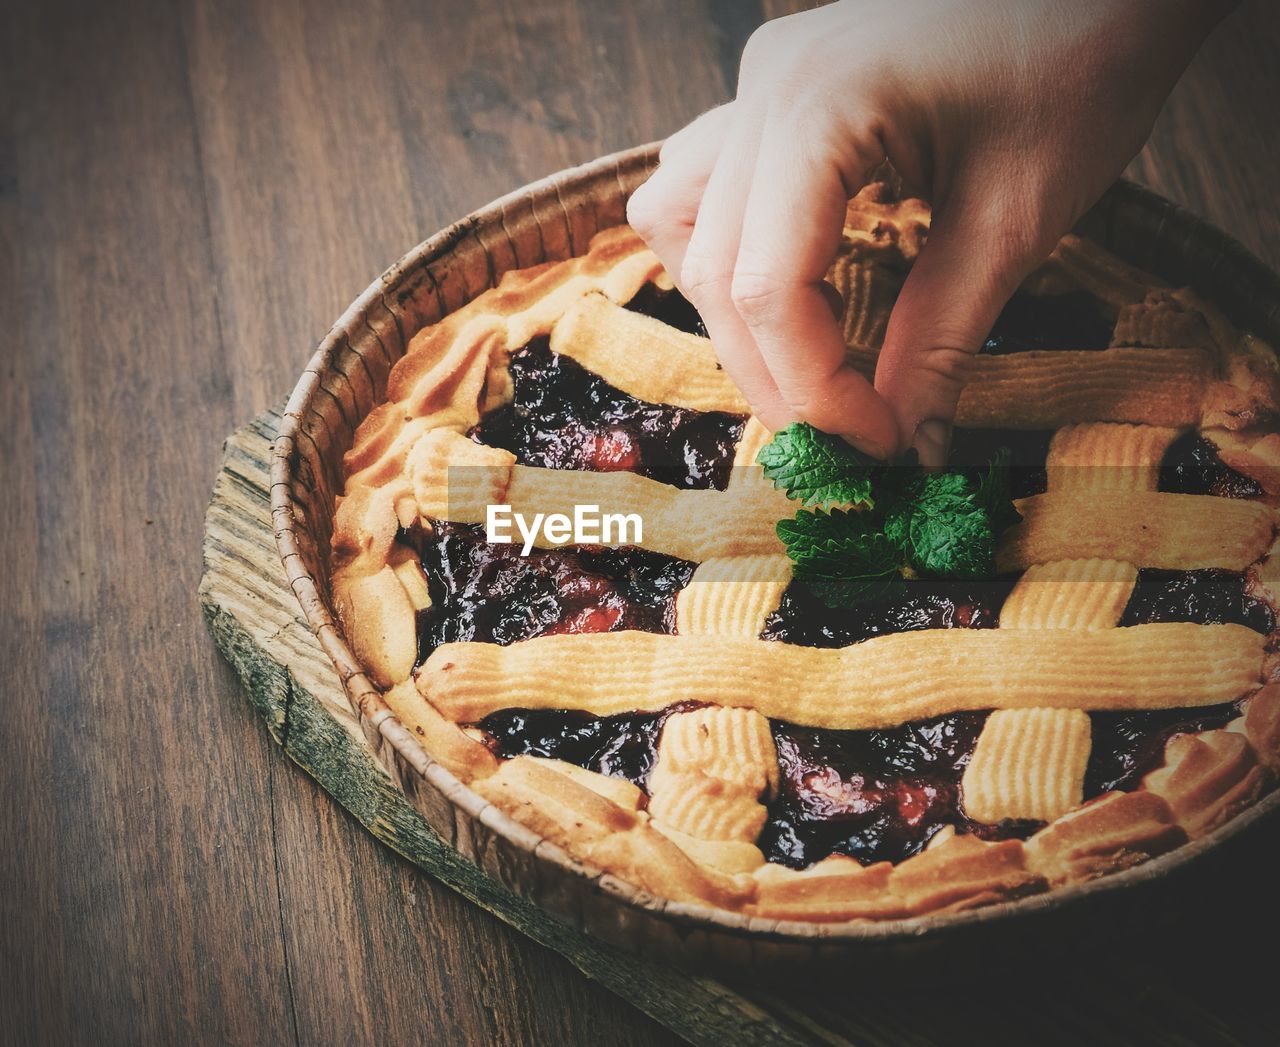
[{"x": 866, "y": 525}]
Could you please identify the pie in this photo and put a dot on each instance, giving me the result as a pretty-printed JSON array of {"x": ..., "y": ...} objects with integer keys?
[{"x": 682, "y": 714}]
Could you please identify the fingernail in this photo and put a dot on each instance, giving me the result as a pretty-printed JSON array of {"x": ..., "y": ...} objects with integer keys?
[{"x": 932, "y": 442}]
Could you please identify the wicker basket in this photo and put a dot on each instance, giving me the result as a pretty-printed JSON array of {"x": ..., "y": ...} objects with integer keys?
[{"x": 555, "y": 219}]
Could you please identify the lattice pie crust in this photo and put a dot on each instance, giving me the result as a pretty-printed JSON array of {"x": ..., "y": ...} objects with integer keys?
[{"x": 1175, "y": 364}]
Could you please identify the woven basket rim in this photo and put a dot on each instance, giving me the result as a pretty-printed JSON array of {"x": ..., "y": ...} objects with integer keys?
[{"x": 1230, "y": 256}]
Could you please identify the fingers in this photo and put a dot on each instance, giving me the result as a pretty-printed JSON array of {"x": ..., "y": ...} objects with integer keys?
[
  {"x": 664, "y": 209},
  {"x": 706, "y": 275},
  {"x": 952, "y": 296},
  {"x": 667, "y": 209},
  {"x": 790, "y": 231}
]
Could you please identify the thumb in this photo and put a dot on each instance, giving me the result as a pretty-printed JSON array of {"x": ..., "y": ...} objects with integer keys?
[{"x": 961, "y": 280}]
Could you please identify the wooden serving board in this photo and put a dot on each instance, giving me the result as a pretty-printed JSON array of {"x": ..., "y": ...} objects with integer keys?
[{"x": 257, "y": 623}]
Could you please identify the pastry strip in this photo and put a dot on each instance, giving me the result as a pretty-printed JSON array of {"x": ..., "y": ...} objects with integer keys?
[
  {"x": 1047, "y": 389},
  {"x": 376, "y": 612},
  {"x": 1145, "y": 528},
  {"x": 1070, "y": 594},
  {"x": 1029, "y": 763},
  {"x": 600, "y": 831},
  {"x": 868, "y": 274},
  {"x": 1163, "y": 317},
  {"x": 725, "y": 856},
  {"x": 745, "y": 470},
  {"x": 1112, "y": 832},
  {"x": 882, "y": 682},
  {"x": 454, "y": 478},
  {"x": 1106, "y": 456},
  {"x": 644, "y": 357},
  {"x": 703, "y": 807},
  {"x": 527, "y": 303},
  {"x": 714, "y": 766},
  {"x": 1080, "y": 264},
  {"x": 731, "y": 744},
  {"x": 451, "y": 364},
  {"x": 1208, "y": 778},
  {"x": 732, "y": 595},
  {"x": 836, "y": 888},
  {"x": 691, "y": 525},
  {"x": 443, "y": 739}
]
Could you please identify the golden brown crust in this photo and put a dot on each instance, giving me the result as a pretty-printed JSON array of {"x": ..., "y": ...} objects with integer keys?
[
  {"x": 1254, "y": 453},
  {"x": 964, "y": 873},
  {"x": 882, "y": 682},
  {"x": 440, "y": 380},
  {"x": 1069, "y": 594},
  {"x": 835, "y": 889},
  {"x": 442, "y": 738},
  {"x": 1163, "y": 317},
  {"x": 882, "y": 237},
  {"x": 690, "y": 525},
  {"x": 1105, "y": 456},
  {"x": 1175, "y": 363},
  {"x": 1028, "y": 764},
  {"x": 454, "y": 478},
  {"x": 732, "y": 595},
  {"x": 1077, "y": 264},
  {"x": 644, "y": 357},
  {"x": 377, "y": 615},
  {"x": 581, "y": 820},
  {"x": 1261, "y": 725},
  {"x": 1146, "y": 528},
  {"x": 1047, "y": 389},
  {"x": 1111, "y": 832},
  {"x": 1207, "y": 778}
]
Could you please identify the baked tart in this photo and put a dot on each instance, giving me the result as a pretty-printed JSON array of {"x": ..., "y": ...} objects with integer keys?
[{"x": 681, "y": 709}]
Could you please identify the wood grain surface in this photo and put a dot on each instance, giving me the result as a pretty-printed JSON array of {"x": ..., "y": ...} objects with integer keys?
[{"x": 189, "y": 195}]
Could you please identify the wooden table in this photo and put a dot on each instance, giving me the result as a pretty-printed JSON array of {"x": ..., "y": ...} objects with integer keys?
[{"x": 189, "y": 195}]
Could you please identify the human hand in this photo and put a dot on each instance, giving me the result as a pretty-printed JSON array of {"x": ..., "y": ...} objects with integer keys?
[{"x": 1010, "y": 116}]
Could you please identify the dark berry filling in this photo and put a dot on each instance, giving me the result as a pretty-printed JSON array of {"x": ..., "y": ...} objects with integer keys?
[
  {"x": 565, "y": 417},
  {"x": 1192, "y": 465},
  {"x": 1074, "y": 320},
  {"x": 1028, "y": 449},
  {"x": 491, "y": 593},
  {"x": 871, "y": 795},
  {"x": 1129, "y": 745},
  {"x": 802, "y": 618},
  {"x": 1208, "y": 596},
  {"x": 621, "y": 746},
  {"x": 671, "y": 307}
]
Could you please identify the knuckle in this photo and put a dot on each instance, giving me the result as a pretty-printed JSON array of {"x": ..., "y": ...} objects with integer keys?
[
  {"x": 700, "y": 273},
  {"x": 757, "y": 295},
  {"x": 682, "y": 140},
  {"x": 761, "y": 46},
  {"x": 946, "y": 366},
  {"x": 644, "y": 211}
]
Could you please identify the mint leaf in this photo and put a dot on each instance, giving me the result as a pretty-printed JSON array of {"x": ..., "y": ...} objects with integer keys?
[
  {"x": 816, "y": 468},
  {"x": 843, "y": 557},
  {"x": 942, "y": 527},
  {"x": 993, "y": 493},
  {"x": 941, "y": 524}
]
